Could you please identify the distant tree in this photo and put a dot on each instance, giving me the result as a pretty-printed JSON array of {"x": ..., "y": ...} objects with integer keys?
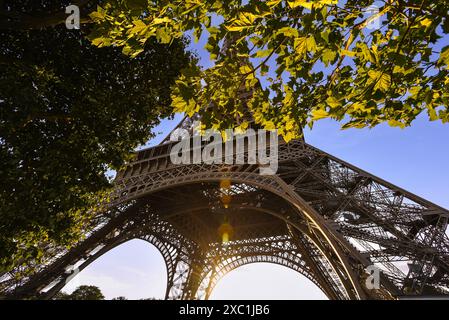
[
  {"x": 62, "y": 296},
  {"x": 70, "y": 111},
  {"x": 81, "y": 293},
  {"x": 87, "y": 293},
  {"x": 120, "y": 298}
]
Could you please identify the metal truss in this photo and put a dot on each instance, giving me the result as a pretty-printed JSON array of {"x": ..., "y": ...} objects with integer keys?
[{"x": 319, "y": 216}]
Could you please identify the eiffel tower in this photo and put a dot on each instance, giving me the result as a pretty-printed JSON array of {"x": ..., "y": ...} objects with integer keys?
[{"x": 318, "y": 215}]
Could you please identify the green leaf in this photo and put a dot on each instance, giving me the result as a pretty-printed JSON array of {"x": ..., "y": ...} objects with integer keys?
[
  {"x": 137, "y": 4},
  {"x": 101, "y": 42},
  {"x": 300, "y": 46},
  {"x": 444, "y": 56},
  {"x": 288, "y": 32},
  {"x": 163, "y": 36},
  {"x": 328, "y": 56},
  {"x": 98, "y": 15},
  {"x": 433, "y": 116},
  {"x": 359, "y": 124},
  {"x": 245, "y": 20},
  {"x": 262, "y": 53},
  {"x": 381, "y": 80},
  {"x": 264, "y": 70}
]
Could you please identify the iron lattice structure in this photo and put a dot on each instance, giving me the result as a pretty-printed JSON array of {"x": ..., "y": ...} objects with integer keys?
[{"x": 319, "y": 216}]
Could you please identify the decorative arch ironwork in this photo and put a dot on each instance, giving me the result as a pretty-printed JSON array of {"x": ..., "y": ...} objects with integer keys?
[{"x": 340, "y": 217}]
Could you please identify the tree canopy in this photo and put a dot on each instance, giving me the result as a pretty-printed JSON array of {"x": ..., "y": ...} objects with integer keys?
[
  {"x": 302, "y": 60},
  {"x": 69, "y": 112}
]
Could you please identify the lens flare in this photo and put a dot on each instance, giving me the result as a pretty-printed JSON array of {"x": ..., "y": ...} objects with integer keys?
[
  {"x": 225, "y": 231},
  {"x": 225, "y": 184},
  {"x": 225, "y": 197},
  {"x": 226, "y": 200}
]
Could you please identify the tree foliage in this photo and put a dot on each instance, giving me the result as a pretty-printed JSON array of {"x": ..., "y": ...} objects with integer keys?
[
  {"x": 83, "y": 293},
  {"x": 87, "y": 293},
  {"x": 69, "y": 112},
  {"x": 302, "y": 60}
]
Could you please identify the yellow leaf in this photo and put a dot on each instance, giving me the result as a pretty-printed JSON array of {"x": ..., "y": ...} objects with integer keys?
[
  {"x": 381, "y": 80},
  {"x": 415, "y": 90},
  {"x": 395, "y": 123},
  {"x": 358, "y": 106},
  {"x": 139, "y": 27},
  {"x": 333, "y": 102},
  {"x": 302, "y": 3},
  {"x": 161, "y": 20},
  {"x": 311, "y": 44},
  {"x": 288, "y": 32},
  {"x": 319, "y": 114},
  {"x": 163, "y": 36},
  {"x": 300, "y": 46},
  {"x": 398, "y": 69},
  {"x": 273, "y": 3},
  {"x": 289, "y": 136},
  {"x": 245, "y": 20},
  {"x": 348, "y": 53},
  {"x": 98, "y": 15},
  {"x": 426, "y": 22},
  {"x": 245, "y": 69},
  {"x": 309, "y": 5},
  {"x": 328, "y": 56}
]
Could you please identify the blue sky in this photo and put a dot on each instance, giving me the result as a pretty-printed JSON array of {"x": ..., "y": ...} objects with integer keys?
[{"x": 414, "y": 158}]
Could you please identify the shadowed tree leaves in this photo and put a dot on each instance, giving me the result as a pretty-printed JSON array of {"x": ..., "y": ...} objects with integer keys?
[{"x": 69, "y": 112}]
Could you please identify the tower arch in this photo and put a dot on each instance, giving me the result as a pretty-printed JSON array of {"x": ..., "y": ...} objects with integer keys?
[
  {"x": 263, "y": 279},
  {"x": 340, "y": 218},
  {"x": 135, "y": 269}
]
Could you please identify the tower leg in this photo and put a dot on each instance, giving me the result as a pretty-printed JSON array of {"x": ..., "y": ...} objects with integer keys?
[{"x": 186, "y": 279}]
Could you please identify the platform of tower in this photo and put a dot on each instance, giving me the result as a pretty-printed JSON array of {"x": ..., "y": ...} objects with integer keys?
[{"x": 320, "y": 216}]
